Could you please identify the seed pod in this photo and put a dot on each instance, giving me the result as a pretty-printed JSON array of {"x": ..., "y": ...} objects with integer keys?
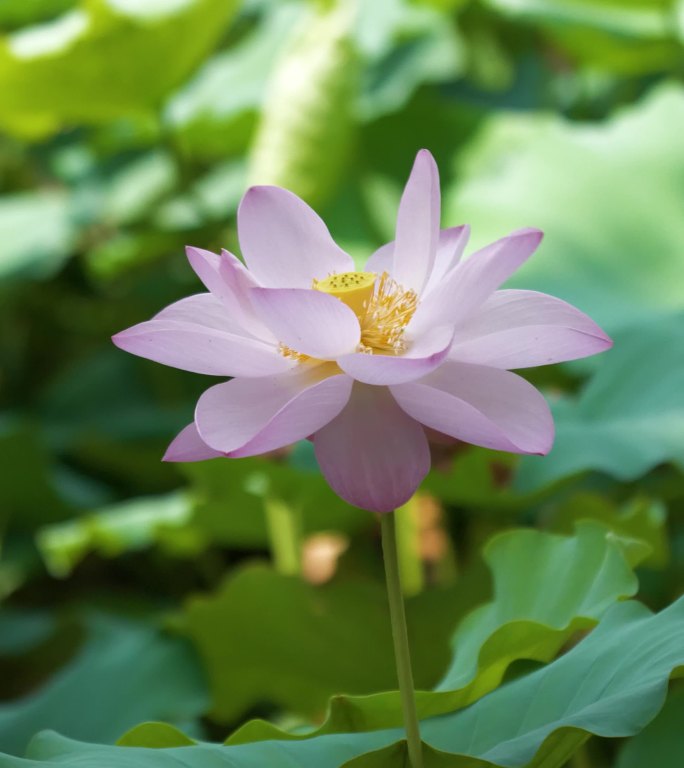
[{"x": 306, "y": 129}]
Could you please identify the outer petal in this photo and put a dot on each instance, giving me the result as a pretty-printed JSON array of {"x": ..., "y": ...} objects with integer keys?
[
  {"x": 452, "y": 243},
  {"x": 189, "y": 446},
  {"x": 373, "y": 455},
  {"x": 246, "y": 417},
  {"x": 480, "y": 405},
  {"x": 195, "y": 334},
  {"x": 471, "y": 282},
  {"x": 521, "y": 329},
  {"x": 207, "y": 266},
  {"x": 241, "y": 282},
  {"x": 417, "y": 224},
  {"x": 308, "y": 321},
  {"x": 284, "y": 242},
  {"x": 230, "y": 282},
  {"x": 424, "y": 355}
]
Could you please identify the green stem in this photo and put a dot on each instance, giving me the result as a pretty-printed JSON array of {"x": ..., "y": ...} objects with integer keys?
[
  {"x": 400, "y": 637},
  {"x": 410, "y": 562},
  {"x": 285, "y": 536}
]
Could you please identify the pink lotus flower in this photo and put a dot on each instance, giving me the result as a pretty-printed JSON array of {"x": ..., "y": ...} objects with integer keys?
[{"x": 363, "y": 362}]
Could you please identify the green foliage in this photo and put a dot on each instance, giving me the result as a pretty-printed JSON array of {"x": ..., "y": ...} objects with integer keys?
[
  {"x": 612, "y": 683},
  {"x": 250, "y": 657},
  {"x": 122, "y": 673},
  {"x": 660, "y": 743},
  {"x": 54, "y": 73},
  {"x": 131, "y": 129},
  {"x": 522, "y": 621},
  {"x": 636, "y": 391}
]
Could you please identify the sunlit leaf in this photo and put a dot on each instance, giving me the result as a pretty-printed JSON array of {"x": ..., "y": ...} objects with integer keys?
[
  {"x": 606, "y": 199},
  {"x": 128, "y": 526},
  {"x": 104, "y": 59}
]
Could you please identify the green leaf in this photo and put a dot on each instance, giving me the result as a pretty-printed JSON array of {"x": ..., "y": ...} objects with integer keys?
[
  {"x": 626, "y": 36},
  {"x": 605, "y": 250},
  {"x": 104, "y": 59},
  {"x": 536, "y": 609},
  {"x": 37, "y": 231},
  {"x": 28, "y": 493},
  {"x": 660, "y": 743},
  {"x": 612, "y": 684},
  {"x": 155, "y": 735},
  {"x": 214, "y": 114},
  {"x": 639, "y": 523},
  {"x": 282, "y": 654},
  {"x": 128, "y": 526},
  {"x": 124, "y": 672},
  {"x": 230, "y": 497},
  {"x": 629, "y": 417}
]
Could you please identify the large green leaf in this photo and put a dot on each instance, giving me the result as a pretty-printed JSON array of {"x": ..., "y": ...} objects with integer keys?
[
  {"x": 282, "y": 654},
  {"x": 104, "y": 59},
  {"x": 612, "y": 684},
  {"x": 124, "y": 672},
  {"x": 607, "y": 198},
  {"x": 537, "y": 607},
  {"x": 629, "y": 417},
  {"x": 661, "y": 742}
]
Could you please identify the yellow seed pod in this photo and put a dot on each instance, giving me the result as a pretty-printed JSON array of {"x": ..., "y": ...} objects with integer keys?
[{"x": 306, "y": 127}]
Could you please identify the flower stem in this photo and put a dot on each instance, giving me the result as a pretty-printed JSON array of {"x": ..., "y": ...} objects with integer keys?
[
  {"x": 285, "y": 536},
  {"x": 400, "y": 637}
]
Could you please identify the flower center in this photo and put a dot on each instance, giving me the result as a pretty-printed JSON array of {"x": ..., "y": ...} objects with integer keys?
[
  {"x": 355, "y": 289},
  {"x": 383, "y": 307}
]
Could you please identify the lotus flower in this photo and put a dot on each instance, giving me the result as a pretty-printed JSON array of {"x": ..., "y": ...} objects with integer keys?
[{"x": 365, "y": 364}]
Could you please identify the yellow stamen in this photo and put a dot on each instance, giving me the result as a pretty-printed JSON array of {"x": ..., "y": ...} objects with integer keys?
[
  {"x": 387, "y": 314},
  {"x": 355, "y": 289},
  {"x": 292, "y": 354},
  {"x": 383, "y": 307}
]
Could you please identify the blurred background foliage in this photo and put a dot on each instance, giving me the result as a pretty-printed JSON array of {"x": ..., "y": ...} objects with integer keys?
[{"x": 203, "y": 595}]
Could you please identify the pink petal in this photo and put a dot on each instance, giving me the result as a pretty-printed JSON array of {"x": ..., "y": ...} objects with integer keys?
[
  {"x": 308, "y": 321},
  {"x": 450, "y": 247},
  {"x": 189, "y": 446},
  {"x": 382, "y": 260},
  {"x": 245, "y": 417},
  {"x": 241, "y": 282},
  {"x": 480, "y": 405},
  {"x": 424, "y": 355},
  {"x": 229, "y": 281},
  {"x": 196, "y": 334},
  {"x": 472, "y": 281},
  {"x": 207, "y": 266},
  {"x": 452, "y": 243},
  {"x": 417, "y": 224},
  {"x": 373, "y": 455},
  {"x": 284, "y": 242},
  {"x": 521, "y": 329}
]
